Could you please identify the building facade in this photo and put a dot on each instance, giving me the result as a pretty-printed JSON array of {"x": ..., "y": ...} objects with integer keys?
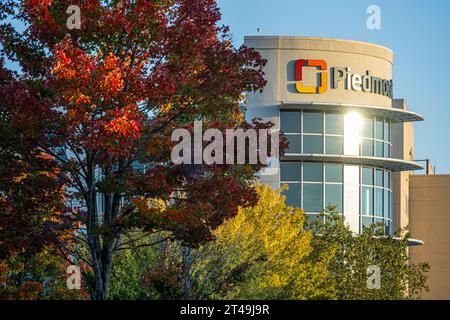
[
  {"x": 350, "y": 141},
  {"x": 430, "y": 222}
]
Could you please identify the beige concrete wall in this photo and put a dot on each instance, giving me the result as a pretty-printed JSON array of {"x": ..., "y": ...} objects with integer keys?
[
  {"x": 283, "y": 52},
  {"x": 430, "y": 222},
  {"x": 402, "y": 148}
]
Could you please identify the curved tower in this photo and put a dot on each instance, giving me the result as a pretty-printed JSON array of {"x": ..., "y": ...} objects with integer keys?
[{"x": 333, "y": 99}]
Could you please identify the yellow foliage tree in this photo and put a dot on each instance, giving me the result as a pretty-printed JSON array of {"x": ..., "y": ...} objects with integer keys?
[{"x": 263, "y": 253}]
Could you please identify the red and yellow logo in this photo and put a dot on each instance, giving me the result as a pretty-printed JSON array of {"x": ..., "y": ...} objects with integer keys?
[{"x": 321, "y": 86}]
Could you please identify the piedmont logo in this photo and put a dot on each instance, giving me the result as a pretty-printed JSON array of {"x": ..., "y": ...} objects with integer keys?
[
  {"x": 340, "y": 77},
  {"x": 322, "y": 80}
]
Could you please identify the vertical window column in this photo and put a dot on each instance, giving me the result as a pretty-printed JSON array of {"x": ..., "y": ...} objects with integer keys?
[
  {"x": 313, "y": 132},
  {"x": 352, "y": 134},
  {"x": 291, "y": 127},
  {"x": 351, "y": 196}
]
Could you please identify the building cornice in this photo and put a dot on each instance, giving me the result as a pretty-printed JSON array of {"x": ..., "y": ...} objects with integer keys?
[
  {"x": 391, "y": 164},
  {"x": 393, "y": 114}
]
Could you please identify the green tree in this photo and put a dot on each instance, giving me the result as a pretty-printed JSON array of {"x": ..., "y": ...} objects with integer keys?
[
  {"x": 127, "y": 276},
  {"x": 354, "y": 254}
]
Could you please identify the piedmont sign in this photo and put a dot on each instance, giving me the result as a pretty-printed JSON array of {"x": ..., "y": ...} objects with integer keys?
[{"x": 340, "y": 78}]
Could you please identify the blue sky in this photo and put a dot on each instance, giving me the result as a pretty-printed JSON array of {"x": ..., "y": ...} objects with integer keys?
[{"x": 417, "y": 31}]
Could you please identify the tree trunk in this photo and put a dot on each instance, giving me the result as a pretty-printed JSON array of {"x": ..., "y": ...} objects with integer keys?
[
  {"x": 101, "y": 246},
  {"x": 102, "y": 273}
]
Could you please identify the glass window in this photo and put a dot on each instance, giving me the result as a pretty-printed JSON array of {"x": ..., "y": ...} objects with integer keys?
[
  {"x": 333, "y": 196},
  {"x": 293, "y": 195},
  {"x": 312, "y": 122},
  {"x": 333, "y": 145},
  {"x": 390, "y": 180},
  {"x": 368, "y": 128},
  {"x": 312, "y": 172},
  {"x": 313, "y": 197},
  {"x": 379, "y": 202},
  {"x": 391, "y": 203},
  {"x": 333, "y": 173},
  {"x": 366, "y": 222},
  {"x": 291, "y": 121},
  {"x": 334, "y": 123},
  {"x": 386, "y": 204},
  {"x": 379, "y": 129},
  {"x": 387, "y": 131},
  {"x": 379, "y": 178},
  {"x": 290, "y": 171},
  {"x": 387, "y": 182},
  {"x": 367, "y": 176},
  {"x": 367, "y": 200},
  {"x": 367, "y": 148},
  {"x": 312, "y": 144},
  {"x": 379, "y": 149},
  {"x": 387, "y": 150},
  {"x": 295, "y": 145}
]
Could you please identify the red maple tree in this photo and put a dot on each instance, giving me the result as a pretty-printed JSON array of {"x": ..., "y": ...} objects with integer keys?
[{"x": 99, "y": 105}]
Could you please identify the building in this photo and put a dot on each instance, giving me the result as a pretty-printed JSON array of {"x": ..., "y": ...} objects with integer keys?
[
  {"x": 351, "y": 143},
  {"x": 430, "y": 221}
]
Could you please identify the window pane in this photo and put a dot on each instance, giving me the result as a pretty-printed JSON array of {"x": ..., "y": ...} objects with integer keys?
[
  {"x": 387, "y": 150},
  {"x": 379, "y": 149},
  {"x": 334, "y": 123},
  {"x": 379, "y": 129},
  {"x": 333, "y": 196},
  {"x": 313, "y": 197},
  {"x": 367, "y": 176},
  {"x": 367, "y": 148},
  {"x": 386, "y": 180},
  {"x": 290, "y": 122},
  {"x": 379, "y": 178},
  {"x": 387, "y": 131},
  {"x": 294, "y": 144},
  {"x": 390, "y": 180},
  {"x": 386, "y": 204},
  {"x": 391, "y": 204},
  {"x": 367, "y": 200},
  {"x": 312, "y": 122},
  {"x": 333, "y": 172},
  {"x": 366, "y": 222},
  {"x": 312, "y": 172},
  {"x": 293, "y": 195},
  {"x": 379, "y": 202},
  {"x": 290, "y": 171},
  {"x": 313, "y": 144},
  {"x": 368, "y": 128},
  {"x": 333, "y": 145}
]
